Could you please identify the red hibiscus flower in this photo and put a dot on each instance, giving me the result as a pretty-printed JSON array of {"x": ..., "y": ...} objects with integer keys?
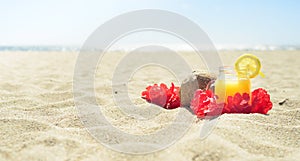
[
  {"x": 204, "y": 103},
  {"x": 261, "y": 102},
  {"x": 238, "y": 104},
  {"x": 162, "y": 96}
]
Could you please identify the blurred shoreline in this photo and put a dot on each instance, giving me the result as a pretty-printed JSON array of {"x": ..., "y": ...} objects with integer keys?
[{"x": 177, "y": 47}]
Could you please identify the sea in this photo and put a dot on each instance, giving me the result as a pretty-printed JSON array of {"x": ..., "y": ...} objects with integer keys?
[{"x": 176, "y": 47}]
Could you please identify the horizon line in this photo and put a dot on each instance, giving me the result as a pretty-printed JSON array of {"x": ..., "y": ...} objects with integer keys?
[{"x": 237, "y": 47}]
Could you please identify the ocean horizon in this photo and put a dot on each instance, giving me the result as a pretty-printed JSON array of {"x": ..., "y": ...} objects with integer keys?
[{"x": 61, "y": 48}]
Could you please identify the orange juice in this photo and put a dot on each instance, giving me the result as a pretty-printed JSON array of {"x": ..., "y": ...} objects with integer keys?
[
  {"x": 228, "y": 84},
  {"x": 225, "y": 88}
]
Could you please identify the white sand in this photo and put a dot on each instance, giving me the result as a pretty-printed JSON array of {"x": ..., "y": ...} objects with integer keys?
[{"x": 38, "y": 118}]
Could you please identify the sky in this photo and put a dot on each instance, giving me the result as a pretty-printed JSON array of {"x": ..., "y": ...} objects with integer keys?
[{"x": 70, "y": 22}]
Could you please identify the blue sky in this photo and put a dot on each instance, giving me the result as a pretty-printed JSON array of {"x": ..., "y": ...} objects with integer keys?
[{"x": 70, "y": 22}]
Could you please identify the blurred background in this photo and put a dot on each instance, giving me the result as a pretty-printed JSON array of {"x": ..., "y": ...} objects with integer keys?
[{"x": 231, "y": 24}]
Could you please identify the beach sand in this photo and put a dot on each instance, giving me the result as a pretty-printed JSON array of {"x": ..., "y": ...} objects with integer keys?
[{"x": 39, "y": 120}]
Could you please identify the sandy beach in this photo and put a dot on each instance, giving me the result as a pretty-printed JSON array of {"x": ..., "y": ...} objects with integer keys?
[{"x": 39, "y": 120}]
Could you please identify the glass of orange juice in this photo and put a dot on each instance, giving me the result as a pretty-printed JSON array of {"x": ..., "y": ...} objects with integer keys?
[{"x": 229, "y": 83}]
